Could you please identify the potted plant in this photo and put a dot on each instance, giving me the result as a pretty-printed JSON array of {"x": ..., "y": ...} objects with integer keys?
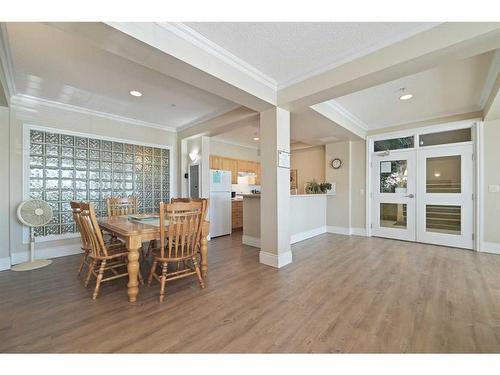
[
  {"x": 325, "y": 187},
  {"x": 313, "y": 187}
]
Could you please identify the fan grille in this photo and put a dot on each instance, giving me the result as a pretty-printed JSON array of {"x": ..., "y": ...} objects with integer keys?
[{"x": 34, "y": 212}]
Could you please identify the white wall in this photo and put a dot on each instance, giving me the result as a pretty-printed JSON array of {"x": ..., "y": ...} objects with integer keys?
[
  {"x": 70, "y": 121},
  {"x": 338, "y": 213},
  {"x": 232, "y": 151},
  {"x": 346, "y": 210}
]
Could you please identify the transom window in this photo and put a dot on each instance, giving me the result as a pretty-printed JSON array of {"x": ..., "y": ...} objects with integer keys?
[{"x": 65, "y": 167}]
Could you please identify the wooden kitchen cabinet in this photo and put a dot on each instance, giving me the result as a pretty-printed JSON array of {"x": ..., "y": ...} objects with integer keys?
[
  {"x": 235, "y": 166},
  {"x": 237, "y": 214}
]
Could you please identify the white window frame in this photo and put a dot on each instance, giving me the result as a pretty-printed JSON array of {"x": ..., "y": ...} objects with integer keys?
[
  {"x": 477, "y": 134},
  {"x": 26, "y": 168}
]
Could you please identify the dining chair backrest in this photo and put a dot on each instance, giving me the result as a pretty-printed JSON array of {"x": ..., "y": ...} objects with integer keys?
[
  {"x": 180, "y": 229},
  {"x": 118, "y": 206},
  {"x": 180, "y": 200},
  {"x": 204, "y": 207},
  {"x": 92, "y": 230},
  {"x": 204, "y": 202},
  {"x": 76, "y": 208}
]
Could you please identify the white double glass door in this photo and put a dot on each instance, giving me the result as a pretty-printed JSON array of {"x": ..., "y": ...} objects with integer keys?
[{"x": 424, "y": 195}]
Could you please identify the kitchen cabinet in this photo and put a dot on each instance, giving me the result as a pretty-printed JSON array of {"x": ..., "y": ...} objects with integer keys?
[
  {"x": 235, "y": 166},
  {"x": 237, "y": 214}
]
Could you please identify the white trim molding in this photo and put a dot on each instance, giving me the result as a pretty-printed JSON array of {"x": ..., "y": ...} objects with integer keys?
[
  {"x": 342, "y": 117},
  {"x": 48, "y": 253},
  {"x": 490, "y": 247},
  {"x": 358, "y": 232},
  {"x": 5, "y": 264},
  {"x": 6, "y": 62},
  {"x": 275, "y": 260},
  {"x": 338, "y": 230},
  {"x": 301, "y": 236},
  {"x": 29, "y": 101},
  {"x": 195, "y": 38},
  {"x": 250, "y": 241}
]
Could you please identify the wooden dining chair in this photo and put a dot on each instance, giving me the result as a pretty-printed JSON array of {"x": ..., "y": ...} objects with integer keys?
[
  {"x": 120, "y": 206},
  {"x": 111, "y": 261},
  {"x": 76, "y": 209},
  {"x": 180, "y": 231}
]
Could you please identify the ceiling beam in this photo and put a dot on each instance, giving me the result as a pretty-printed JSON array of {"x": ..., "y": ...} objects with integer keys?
[
  {"x": 423, "y": 51},
  {"x": 156, "y": 47},
  {"x": 339, "y": 116},
  {"x": 492, "y": 107},
  {"x": 228, "y": 121},
  {"x": 159, "y": 48}
]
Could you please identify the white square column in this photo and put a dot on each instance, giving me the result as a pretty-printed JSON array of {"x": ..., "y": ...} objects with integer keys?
[{"x": 275, "y": 248}]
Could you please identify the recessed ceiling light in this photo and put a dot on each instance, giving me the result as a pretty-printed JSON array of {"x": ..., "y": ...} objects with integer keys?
[
  {"x": 256, "y": 138},
  {"x": 135, "y": 93},
  {"x": 406, "y": 97}
]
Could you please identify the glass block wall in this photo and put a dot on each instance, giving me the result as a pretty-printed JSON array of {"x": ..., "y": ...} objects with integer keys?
[{"x": 65, "y": 167}]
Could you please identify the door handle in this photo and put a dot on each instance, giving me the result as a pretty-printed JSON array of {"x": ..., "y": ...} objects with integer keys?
[{"x": 410, "y": 196}]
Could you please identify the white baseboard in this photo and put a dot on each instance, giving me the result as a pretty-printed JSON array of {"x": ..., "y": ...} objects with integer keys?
[
  {"x": 346, "y": 231},
  {"x": 4, "y": 263},
  {"x": 250, "y": 241},
  {"x": 301, "y": 236},
  {"x": 275, "y": 260},
  {"x": 490, "y": 247},
  {"x": 48, "y": 253},
  {"x": 358, "y": 231},
  {"x": 338, "y": 230}
]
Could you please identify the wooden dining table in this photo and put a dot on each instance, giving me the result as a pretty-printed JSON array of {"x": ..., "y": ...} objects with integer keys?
[{"x": 134, "y": 233}]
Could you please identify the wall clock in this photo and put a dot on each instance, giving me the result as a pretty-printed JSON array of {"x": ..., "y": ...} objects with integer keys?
[{"x": 336, "y": 163}]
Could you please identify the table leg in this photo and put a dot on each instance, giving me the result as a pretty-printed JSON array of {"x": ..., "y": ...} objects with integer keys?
[
  {"x": 204, "y": 250},
  {"x": 134, "y": 245}
]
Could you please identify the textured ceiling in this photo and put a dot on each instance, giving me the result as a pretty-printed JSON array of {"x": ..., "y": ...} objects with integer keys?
[
  {"x": 53, "y": 65},
  {"x": 287, "y": 51},
  {"x": 449, "y": 89}
]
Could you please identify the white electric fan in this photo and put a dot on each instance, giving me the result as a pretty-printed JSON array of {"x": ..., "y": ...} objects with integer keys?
[{"x": 33, "y": 213}]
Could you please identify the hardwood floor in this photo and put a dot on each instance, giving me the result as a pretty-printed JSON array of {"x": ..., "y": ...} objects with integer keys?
[{"x": 341, "y": 294}]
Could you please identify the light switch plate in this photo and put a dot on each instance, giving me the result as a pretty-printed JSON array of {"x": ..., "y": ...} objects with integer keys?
[{"x": 493, "y": 188}]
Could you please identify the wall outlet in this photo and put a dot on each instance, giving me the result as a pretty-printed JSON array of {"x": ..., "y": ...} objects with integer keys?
[{"x": 493, "y": 188}]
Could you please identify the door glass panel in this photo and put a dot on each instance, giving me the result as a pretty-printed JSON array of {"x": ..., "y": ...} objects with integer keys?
[
  {"x": 393, "y": 215},
  {"x": 442, "y": 138},
  {"x": 393, "y": 144},
  {"x": 443, "y": 219},
  {"x": 393, "y": 176},
  {"x": 443, "y": 174}
]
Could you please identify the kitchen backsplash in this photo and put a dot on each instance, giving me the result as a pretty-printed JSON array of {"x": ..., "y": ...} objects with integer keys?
[{"x": 244, "y": 188}]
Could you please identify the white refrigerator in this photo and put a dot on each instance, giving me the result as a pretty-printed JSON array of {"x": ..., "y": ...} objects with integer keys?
[{"x": 220, "y": 203}]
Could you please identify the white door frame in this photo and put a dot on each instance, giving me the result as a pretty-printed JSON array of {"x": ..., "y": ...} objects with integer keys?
[{"x": 477, "y": 134}]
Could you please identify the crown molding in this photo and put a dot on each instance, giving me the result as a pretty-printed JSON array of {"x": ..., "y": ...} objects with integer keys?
[
  {"x": 6, "y": 62},
  {"x": 491, "y": 77},
  {"x": 234, "y": 143},
  {"x": 195, "y": 38},
  {"x": 30, "y": 101},
  {"x": 344, "y": 112},
  {"x": 349, "y": 56},
  {"x": 205, "y": 118}
]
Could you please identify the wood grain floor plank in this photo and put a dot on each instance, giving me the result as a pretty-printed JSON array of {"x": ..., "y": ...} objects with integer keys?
[{"x": 340, "y": 294}]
